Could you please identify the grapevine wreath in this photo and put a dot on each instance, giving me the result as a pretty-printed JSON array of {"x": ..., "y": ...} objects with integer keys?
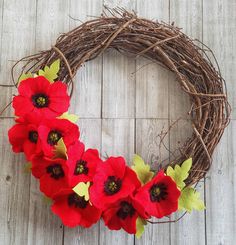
[{"x": 82, "y": 186}]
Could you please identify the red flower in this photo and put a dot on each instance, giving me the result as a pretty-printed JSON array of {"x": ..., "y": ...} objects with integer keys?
[
  {"x": 123, "y": 214},
  {"x": 113, "y": 180},
  {"x": 42, "y": 97},
  {"x": 53, "y": 174},
  {"x": 159, "y": 196},
  {"x": 51, "y": 131},
  {"x": 82, "y": 164},
  {"x": 23, "y": 136},
  {"x": 74, "y": 210}
]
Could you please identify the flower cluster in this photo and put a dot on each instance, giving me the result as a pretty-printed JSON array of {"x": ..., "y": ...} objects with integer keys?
[{"x": 82, "y": 186}]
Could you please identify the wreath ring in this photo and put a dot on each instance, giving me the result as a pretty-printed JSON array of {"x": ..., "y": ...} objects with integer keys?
[{"x": 166, "y": 45}]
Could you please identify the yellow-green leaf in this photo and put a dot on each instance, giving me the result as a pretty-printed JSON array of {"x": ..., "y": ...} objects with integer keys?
[
  {"x": 82, "y": 189},
  {"x": 47, "y": 200},
  {"x": 55, "y": 66},
  {"x": 71, "y": 117},
  {"x": 60, "y": 150},
  {"x": 50, "y": 72},
  {"x": 190, "y": 199},
  {"x": 140, "y": 223},
  {"x": 141, "y": 169},
  {"x": 24, "y": 76},
  {"x": 27, "y": 167},
  {"x": 180, "y": 173}
]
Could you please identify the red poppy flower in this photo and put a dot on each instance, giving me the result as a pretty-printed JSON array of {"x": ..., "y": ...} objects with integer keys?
[
  {"x": 82, "y": 164},
  {"x": 53, "y": 174},
  {"x": 23, "y": 136},
  {"x": 159, "y": 196},
  {"x": 113, "y": 180},
  {"x": 40, "y": 96},
  {"x": 52, "y": 130},
  {"x": 123, "y": 214},
  {"x": 74, "y": 210}
]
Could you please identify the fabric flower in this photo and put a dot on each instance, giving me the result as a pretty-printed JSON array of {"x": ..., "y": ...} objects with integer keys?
[
  {"x": 24, "y": 137},
  {"x": 82, "y": 164},
  {"x": 159, "y": 196},
  {"x": 123, "y": 214},
  {"x": 113, "y": 180},
  {"x": 38, "y": 95},
  {"x": 52, "y": 130},
  {"x": 53, "y": 174},
  {"x": 74, "y": 210}
]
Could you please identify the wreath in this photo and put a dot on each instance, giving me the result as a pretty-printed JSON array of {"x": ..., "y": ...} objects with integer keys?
[{"x": 82, "y": 186}]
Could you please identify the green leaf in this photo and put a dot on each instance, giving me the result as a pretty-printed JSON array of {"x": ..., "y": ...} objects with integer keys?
[
  {"x": 71, "y": 117},
  {"x": 180, "y": 173},
  {"x": 190, "y": 199},
  {"x": 60, "y": 150},
  {"x": 27, "y": 167},
  {"x": 82, "y": 189},
  {"x": 51, "y": 72},
  {"x": 140, "y": 223},
  {"x": 24, "y": 76},
  {"x": 141, "y": 169},
  {"x": 47, "y": 200}
]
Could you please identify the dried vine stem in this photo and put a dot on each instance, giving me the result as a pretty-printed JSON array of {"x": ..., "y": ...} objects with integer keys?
[
  {"x": 161, "y": 43},
  {"x": 167, "y": 221}
]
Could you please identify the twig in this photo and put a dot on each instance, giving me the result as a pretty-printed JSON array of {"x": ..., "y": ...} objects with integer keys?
[
  {"x": 155, "y": 44},
  {"x": 4, "y": 109},
  {"x": 169, "y": 221}
]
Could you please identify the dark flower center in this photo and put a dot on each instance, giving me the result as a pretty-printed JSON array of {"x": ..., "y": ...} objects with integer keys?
[
  {"x": 33, "y": 136},
  {"x": 77, "y": 201},
  {"x": 53, "y": 137},
  {"x": 158, "y": 192},
  {"x": 55, "y": 171},
  {"x": 81, "y": 167},
  {"x": 40, "y": 100},
  {"x": 112, "y": 185},
  {"x": 126, "y": 209}
]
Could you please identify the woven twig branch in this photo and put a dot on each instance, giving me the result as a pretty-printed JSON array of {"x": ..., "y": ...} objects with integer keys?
[{"x": 161, "y": 43}]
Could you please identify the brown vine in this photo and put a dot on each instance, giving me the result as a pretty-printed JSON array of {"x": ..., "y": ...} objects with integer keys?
[{"x": 164, "y": 44}]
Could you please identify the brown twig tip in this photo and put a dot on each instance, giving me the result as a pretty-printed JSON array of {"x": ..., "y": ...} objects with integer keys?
[{"x": 164, "y": 44}]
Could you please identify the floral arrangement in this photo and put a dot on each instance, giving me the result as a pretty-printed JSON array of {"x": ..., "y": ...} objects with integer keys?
[{"x": 83, "y": 187}]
